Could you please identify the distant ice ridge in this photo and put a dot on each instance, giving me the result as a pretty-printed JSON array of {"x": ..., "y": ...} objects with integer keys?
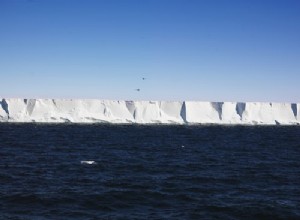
[{"x": 147, "y": 112}]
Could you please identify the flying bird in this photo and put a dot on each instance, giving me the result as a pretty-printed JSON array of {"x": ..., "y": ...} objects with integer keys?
[
  {"x": 138, "y": 90},
  {"x": 143, "y": 78}
]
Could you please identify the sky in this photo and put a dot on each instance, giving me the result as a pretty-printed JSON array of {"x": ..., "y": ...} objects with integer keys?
[{"x": 201, "y": 50}]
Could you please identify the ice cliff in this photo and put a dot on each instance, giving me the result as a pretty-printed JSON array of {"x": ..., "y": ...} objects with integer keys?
[{"x": 144, "y": 112}]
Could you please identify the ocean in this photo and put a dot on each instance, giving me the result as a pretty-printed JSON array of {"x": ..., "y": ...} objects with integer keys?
[{"x": 104, "y": 171}]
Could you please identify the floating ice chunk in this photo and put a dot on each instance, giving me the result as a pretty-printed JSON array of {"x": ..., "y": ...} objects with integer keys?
[{"x": 89, "y": 162}]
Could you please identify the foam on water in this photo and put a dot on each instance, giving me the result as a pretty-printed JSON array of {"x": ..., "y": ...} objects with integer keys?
[{"x": 89, "y": 162}]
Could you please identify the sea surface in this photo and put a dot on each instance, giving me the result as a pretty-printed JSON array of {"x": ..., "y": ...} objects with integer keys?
[{"x": 149, "y": 172}]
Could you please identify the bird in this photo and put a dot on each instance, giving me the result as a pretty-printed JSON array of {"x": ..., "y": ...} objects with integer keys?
[
  {"x": 138, "y": 90},
  {"x": 143, "y": 78}
]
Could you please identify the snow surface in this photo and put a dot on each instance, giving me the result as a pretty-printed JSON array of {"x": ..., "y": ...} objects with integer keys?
[{"x": 145, "y": 112}]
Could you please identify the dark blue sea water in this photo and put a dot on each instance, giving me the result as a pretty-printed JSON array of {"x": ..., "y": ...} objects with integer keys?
[{"x": 149, "y": 172}]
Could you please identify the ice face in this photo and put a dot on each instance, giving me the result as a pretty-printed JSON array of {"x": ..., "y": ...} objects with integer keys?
[{"x": 145, "y": 112}]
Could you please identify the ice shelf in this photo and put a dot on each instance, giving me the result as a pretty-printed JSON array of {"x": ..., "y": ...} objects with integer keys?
[{"x": 147, "y": 112}]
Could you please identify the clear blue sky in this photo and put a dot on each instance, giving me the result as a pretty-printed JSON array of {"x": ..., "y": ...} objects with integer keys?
[{"x": 206, "y": 50}]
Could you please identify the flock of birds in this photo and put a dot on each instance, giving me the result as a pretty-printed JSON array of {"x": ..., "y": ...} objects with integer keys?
[{"x": 138, "y": 90}]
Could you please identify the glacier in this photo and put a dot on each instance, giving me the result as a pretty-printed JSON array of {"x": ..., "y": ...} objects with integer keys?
[{"x": 148, "y": 112}]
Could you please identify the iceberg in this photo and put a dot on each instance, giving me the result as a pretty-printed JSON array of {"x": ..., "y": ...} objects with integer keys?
[{"x": 148, "y": 112}]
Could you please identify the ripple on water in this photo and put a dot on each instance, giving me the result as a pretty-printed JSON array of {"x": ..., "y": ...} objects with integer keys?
[{"x": 57, "y": 171}]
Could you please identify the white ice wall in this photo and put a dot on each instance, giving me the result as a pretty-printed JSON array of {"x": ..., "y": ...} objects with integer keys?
[
  {"x": 144, "y": 112},
  {"x": 298, "y": 112},
  {"x": 232, "y": 112},
  {"x": 202, "y": 112},
  {"x": 269, "y": 113}
]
